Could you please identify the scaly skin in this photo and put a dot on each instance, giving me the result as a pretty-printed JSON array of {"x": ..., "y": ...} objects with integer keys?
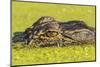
[{"x": 49, "y": 32}]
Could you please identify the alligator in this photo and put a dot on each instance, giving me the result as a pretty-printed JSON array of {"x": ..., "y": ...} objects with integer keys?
[{"x": 47, "y": 31}]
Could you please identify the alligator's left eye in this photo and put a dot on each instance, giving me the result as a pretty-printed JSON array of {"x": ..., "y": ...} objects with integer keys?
[{"x": 51, "y": 33}]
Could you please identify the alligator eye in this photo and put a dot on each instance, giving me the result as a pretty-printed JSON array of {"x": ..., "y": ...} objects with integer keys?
[{"x": 51, "y": 33}]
